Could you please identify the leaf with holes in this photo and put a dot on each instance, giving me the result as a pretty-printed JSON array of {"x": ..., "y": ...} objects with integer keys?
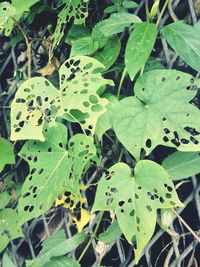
[
  {"x": 6, "y": 12},
  {"x": 182, "y": 165},
  {"x": 49, "y": 169},
  {"x": 76, "y": 10},
  {"x": 8, "y": 219},
  {"x": 159, "y": 113},
  {"x": 35, "y": 102},
  {"x": 136, "y": 199},
  {"x": 180, "y": 35},
  {"x": 6, "y": 153},
  {"x": 80, "y": 80},
  {"x": 81, "y": 150},
  {"x": 139, "y": 47}
]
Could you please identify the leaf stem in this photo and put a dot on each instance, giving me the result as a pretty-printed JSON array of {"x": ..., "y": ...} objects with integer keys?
[
  {"x": 161, "y": 13},
  {"x": 91, "y": 238},
  {"x": 121, "y": 82},
  {"x": 186, "y": 225},
  {"x": 28, "y": 46}
]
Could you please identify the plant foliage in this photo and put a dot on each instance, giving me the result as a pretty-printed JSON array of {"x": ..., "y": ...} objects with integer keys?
[{"x": 66, "y": 125}]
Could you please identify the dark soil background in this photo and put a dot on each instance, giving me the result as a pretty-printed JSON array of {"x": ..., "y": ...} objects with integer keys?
[{"x": 164, "y": 249}]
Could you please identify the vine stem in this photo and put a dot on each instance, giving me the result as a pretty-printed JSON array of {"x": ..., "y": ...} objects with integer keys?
[
  {"x": 91, "y": 238},
  {"x": 121, "y": 82},
  {"x": 161, "y": 12},
  {"x": 28, "y": 47},
  {"x": 186, "y": 225}
]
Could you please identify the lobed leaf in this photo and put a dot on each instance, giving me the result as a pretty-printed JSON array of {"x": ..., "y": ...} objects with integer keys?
[
  {"x": 37, "y": 101},
  {"x": 160, "y": 113},
  {"x": 136, "y": 199}
]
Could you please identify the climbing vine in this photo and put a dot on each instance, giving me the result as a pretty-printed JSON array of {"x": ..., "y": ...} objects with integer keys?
[{"x": 59, "y": 126}]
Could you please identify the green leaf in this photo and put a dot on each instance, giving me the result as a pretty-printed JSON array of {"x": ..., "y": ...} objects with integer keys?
[
  {"x": 76, "y": 32},
  {"x": 80, "y": 79},
  {"x": 117, "y": 22},
  {"x": 153, "y": 64},
  {"x": 7, "y": 155},
  {"x": 76, "y": 10},
  {"x": 34, "y": 103},
  {"x": 7, "y": 262},
  {"x": 49, "y": 169},
  {"x": 180, "y": 35},
  {"x": 37, "y": 100},
  {"x": 81, "y": 150},
  {"x": 62, "y": 262},
  {"x": 182, "y": 165},
  {"x": 104, "y": 122},
  {"x": 129, "y": 4},
  {"x": 84, "y": 46},
  {"x": 139, "y": 47},
  {"x": 53, "y": 169},
  {"x": 110, "y": 53},
  {"x": 4, "y": 199},
  {"x": 136, "y": 199},
  {"x": 23, "y": 6},
  {"x": 97, "y": 34},
  {"x": 8, "y": 219},
  {"x": 6, "y": 12},
  {"x": 160, "y": 113},
  {"x": 56, "y": 245},
  {"x": 112, "y": 233}
]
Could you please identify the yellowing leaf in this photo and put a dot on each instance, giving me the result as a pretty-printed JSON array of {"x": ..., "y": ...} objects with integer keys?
[{"x": 85, "y": 218}]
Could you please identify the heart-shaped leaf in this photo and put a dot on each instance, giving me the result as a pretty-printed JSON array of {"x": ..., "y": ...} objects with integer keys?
[
  {"x": 53, "y": 169},
  {"x": 160, "y": 113},
  {"x": 37, "y": 101},
  {"x": 49, "y": 169},
  {"x": 136, "y": 199}
]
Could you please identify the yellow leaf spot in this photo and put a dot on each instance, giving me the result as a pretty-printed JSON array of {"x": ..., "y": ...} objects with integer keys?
[{"x": 85, "y": 218}]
